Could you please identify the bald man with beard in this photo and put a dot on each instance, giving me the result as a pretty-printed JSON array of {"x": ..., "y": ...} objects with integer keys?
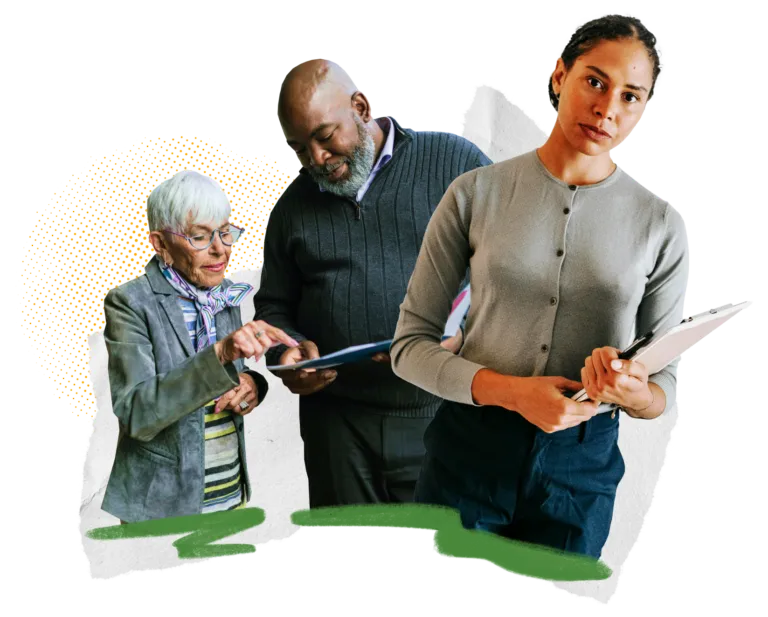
[{"x": 339, "y": 249}]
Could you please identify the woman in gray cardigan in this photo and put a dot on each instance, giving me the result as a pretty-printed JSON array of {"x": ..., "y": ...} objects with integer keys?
[
  {"x": 176, "y": 350},
  {"x": 570, "y": 259}
]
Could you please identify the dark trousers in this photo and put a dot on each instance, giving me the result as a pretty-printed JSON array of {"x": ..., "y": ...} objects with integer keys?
[
  {"x": 506, "y": 476},
  {"x": 355, "y": 457}
]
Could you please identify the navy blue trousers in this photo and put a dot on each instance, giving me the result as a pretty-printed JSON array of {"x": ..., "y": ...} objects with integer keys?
[{"x": 506, "y": 476}]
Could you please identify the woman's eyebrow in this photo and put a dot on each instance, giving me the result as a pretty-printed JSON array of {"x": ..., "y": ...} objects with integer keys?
[
  {"x": 198, "y": 227},
  {"x": 604, "y": 75}
]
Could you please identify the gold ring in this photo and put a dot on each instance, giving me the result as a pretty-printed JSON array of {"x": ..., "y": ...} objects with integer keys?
[{"x": 260, "y": 333}]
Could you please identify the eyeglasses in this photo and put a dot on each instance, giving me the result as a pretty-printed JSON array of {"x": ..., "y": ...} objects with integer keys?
[{"x": 202, "y": 241}]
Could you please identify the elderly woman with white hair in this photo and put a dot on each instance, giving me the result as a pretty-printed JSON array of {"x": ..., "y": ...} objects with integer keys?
[{"x": 176, "y": 349}]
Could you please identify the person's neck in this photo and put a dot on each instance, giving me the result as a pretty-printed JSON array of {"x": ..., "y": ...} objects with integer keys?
[
  {"x": 572, "y": 166},
  {"x": 183, "y": 276}
]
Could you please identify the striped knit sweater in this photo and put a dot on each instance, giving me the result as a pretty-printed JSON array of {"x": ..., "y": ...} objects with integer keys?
[
  {"x": 223, "y": 485},
  {"x": 335, "y": 271}
]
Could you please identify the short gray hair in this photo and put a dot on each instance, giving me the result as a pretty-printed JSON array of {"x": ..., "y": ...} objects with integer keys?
[{"x": 171, "y": 203}]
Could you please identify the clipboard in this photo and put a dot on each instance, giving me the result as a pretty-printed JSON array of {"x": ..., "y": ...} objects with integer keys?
[
  {"x": 657, "y": 351},
  {"x": 343, "y": 356},
  {"x": 366, "y": 351}
]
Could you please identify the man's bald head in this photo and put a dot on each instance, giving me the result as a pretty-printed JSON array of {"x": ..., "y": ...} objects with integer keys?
[
  {"x": 307, "y": 79},
  {"x": 327, "y": 122}
]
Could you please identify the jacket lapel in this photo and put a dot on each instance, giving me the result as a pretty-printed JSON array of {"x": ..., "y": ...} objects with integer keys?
[
  {"x": 224, "y": 325},
  {"x": 170, "y": 304},
  {"x": 175, "y": 317}
]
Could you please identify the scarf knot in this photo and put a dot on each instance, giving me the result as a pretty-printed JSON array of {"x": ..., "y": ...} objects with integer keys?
[{"x": 208, "y": 302}]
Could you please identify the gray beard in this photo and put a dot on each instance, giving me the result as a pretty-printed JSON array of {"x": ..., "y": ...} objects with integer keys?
[{"x": 360, "y": 164}]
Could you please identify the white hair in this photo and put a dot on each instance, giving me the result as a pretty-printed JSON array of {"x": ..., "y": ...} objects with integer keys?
[{"x": 188, "y": 198}]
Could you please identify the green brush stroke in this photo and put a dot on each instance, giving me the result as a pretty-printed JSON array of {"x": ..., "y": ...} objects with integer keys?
[
  {"x": 450, "y": 538},
  {"x": 202, "y": 529},
  {"x": 453, "y": 540}
]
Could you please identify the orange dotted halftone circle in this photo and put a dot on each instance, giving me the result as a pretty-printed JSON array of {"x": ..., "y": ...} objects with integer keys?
[{"x": 94, "y": 236}]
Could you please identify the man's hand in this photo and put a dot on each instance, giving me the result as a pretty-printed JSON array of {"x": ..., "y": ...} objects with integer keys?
[
  {"x": 304, "y": 381},
  {"x": 246, "y": 392},
  {"x": 621, "y": 382}
]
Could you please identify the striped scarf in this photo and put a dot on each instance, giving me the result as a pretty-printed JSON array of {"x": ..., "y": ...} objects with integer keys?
[{"x": 208, "y": 302}]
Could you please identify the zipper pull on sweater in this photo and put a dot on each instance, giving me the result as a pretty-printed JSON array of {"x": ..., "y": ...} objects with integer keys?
[{"x": 356, "y": 205}]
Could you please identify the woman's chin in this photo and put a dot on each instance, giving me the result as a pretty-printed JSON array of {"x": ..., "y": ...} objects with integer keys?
[
  {"x": 594, "y": 148},
  {"x": 209, "y": 279}
]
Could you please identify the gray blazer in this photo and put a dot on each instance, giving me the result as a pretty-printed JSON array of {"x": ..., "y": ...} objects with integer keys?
[{"x": 159, "y": 385}]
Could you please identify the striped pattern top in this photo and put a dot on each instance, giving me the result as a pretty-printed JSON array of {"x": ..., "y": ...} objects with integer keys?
[{"x": 223, "y": 485}]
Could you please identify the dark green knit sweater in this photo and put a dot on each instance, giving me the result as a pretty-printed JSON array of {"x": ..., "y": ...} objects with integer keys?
[{"x": 335, "y": 271}]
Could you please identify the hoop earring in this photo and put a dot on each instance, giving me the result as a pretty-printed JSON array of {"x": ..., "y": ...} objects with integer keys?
[{"x": 163, "y": 262}]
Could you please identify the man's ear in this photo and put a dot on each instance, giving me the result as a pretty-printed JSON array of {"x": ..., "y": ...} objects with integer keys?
[{"x": 361, "y": 105}]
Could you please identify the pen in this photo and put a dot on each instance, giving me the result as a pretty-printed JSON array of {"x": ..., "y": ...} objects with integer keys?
[{"x": 634, "y": 347}]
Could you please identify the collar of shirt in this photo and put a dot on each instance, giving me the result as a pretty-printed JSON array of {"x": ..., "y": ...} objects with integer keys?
[
  {"x": 389, "y": 144},
  {"x": 384, "y": 156}
]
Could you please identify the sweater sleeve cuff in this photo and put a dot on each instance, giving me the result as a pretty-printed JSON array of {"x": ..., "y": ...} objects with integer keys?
[
  {"x": 668, "y": 385},
  {"x": 454, "y": 380},
  {"x": 261, "y": 384},
  {"x": 217, "y": 376},
  {"x": 273, "y": 354}
]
